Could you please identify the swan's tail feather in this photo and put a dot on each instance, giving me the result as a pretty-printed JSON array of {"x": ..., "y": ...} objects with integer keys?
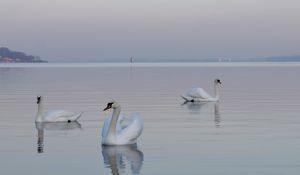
[{"x": 77, "y": 116}]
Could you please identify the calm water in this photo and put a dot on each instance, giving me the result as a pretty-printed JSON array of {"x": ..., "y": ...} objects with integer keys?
[{"x": 254, "y": 129}]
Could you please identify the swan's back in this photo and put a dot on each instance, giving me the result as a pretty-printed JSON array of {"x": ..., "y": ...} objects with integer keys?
[
  {"x": 60, "y": 116},
  {"x": 198, "y": 93}
]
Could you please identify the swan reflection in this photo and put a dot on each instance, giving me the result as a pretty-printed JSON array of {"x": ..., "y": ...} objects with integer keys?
[
  {"x": 58, "y": 126},
  {"x": 117, "y": 158},
  {"x": 201, "y": 107},
  {"x": 217, "y": 114},
  {"x": 195, "y": 107}
]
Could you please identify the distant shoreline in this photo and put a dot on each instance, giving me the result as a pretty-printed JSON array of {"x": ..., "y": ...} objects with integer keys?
[
  {"x": 149, "y": 64},
  {"x": 9, "y": 56}
]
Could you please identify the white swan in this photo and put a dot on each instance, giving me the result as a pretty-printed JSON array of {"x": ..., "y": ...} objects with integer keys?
[
  {"x": 117, "y": 131},
  {"x": 198, "y": 94},
  {"x": 54, "y": 115}
]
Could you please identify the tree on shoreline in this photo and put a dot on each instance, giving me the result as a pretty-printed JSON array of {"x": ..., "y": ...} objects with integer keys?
[{"x": 7, "y": 55}]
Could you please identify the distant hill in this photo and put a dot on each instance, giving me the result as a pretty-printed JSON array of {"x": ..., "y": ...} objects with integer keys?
[
  {"x": 294, "y": 58},
  {"x": 9, "y": 56}
]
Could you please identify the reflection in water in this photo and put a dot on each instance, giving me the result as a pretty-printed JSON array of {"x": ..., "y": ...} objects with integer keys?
[
  {"x": 197, "y": 107},
  {"x": 117, "y": 157},
  {"x": 217, "y": 114},
  {"x": 59, "y": 126},
  {"x": 194, "y": 107},
  {"x": 40, "y": 141}
]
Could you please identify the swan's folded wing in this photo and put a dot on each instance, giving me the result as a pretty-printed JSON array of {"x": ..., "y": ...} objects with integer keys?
[
  {"x": 133, "y": 130},
  {"x": 121, "y": 124},
  {"x": 198, "y": 93},
  {"x": 59, "y": 116}
]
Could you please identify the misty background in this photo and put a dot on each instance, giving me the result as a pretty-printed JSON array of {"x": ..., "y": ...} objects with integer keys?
[{"x": 110, "y": 30}]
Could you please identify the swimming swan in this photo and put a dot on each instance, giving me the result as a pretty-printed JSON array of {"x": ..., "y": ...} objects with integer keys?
[
  {"x": 54, "y": 116},
  {"x": 198, "y": 94},
  {"x": 116, "y": 131}
]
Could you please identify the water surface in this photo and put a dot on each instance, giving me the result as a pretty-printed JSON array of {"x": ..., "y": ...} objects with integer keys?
[{"x": 254, "y": 129}]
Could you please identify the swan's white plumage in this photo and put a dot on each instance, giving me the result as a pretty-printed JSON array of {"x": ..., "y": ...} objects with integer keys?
[
  {"x": 200, "y": 95},
  {"x": 60, "y": 116},
  {"x": 132, "y": 130},
  {"x": 126, "y": 131},
  {"x": 54, "y": 115},
  {"x": 107, "y": 121}
]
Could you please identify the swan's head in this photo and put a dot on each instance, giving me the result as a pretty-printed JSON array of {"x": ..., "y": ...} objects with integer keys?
[
  {"x": 218, "y": 81},
  {"x": 38, "y": 99},
  {"x": 112, "y": 104}
]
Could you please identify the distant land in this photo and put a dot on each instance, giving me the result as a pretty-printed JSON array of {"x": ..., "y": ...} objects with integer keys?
[
  {"x": 9, "y": 56},
  {"x": 293, "y": 58}
]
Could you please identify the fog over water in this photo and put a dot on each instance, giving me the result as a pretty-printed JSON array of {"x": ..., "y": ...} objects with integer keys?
[{"x": 98, "y": 30}]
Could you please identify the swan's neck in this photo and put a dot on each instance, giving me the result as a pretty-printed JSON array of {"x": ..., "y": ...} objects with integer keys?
[
  {"x": 113, "y": 123},
  {"x": 39, "y": 113},
  {"x": 216, "y": 91}
]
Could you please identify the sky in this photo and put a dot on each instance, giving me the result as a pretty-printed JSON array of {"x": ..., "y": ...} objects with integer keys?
[{"x": 107, "y": 30}]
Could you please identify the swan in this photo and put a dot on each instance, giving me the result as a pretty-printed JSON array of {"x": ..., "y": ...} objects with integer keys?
[
  {"x": 54, "y": 115},
  {"x": 116, "y": 131},
  {"x": 198, "y": 94}
]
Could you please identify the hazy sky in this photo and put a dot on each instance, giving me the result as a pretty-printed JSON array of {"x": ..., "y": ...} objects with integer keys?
[{"x": 91, "y": 30}]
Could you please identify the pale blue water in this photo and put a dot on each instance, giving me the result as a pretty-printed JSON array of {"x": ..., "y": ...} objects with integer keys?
[{"x": 254, "y": 129}]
